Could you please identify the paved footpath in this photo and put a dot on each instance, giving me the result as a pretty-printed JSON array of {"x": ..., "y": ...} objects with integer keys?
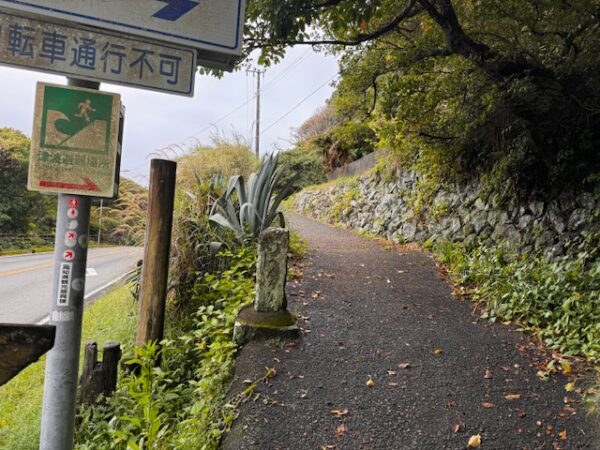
[{"x": 440, "y": 374}]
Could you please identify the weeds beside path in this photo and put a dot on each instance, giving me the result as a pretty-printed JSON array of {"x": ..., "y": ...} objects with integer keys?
[{"x": 438, "y": 373}]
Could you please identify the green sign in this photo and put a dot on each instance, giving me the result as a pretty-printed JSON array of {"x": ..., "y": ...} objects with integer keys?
[
  {"x": 74, "y": 141},
  {"x": 76, "y": 120}
]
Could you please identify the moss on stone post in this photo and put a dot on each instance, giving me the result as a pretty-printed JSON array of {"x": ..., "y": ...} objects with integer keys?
[{"x": 268, "y": 316}]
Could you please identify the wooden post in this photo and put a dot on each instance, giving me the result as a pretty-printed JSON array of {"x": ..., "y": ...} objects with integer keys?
[
  {"x": 151, "y": 315},
  {"x": 99, "y": 377},
  {"x": 111, "y": 355}
]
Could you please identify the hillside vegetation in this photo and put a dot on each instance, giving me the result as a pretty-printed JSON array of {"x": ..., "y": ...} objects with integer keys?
[
  {"x": 27, "y": 219},
  {"x": 503, "y": 90}
]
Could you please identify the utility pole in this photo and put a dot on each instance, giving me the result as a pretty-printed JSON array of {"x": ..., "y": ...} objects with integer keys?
[
  {"x": 258, "y": 73},
  {"x": 100, "y": 220}
]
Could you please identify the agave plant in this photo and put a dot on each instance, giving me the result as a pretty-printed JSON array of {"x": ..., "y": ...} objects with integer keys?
[{"x": 253, "y": 208}]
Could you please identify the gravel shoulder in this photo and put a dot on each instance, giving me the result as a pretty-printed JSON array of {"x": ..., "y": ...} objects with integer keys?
[{"x": 439, "y": 373}]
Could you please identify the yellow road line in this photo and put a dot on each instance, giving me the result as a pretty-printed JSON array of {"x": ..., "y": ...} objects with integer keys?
[
  {"x": 50, "y": 264},
  {"x": 26, "y": 269}
]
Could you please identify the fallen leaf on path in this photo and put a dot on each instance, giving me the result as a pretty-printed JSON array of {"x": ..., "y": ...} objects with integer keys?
[
  {"x": 392, "y": 384},
  {"x": 511, "y": 397},
  {"x": 521, "y": 413},
  {"x": 458, "y": 426},
  {"x": 249, "y": 389},
  {"x": 404, "y": 365},
  {"x": 566, "y": 367},
  {"x": 328, "y": 447},
  {"x": 563, "y": 435},
  {"x": 474, "y": 441},
  {"x": 341, "y": 429},
  {"x": 487, "y": 375},
  {"x": 488, "y": 405},
  {"x": 316, "y": 294},
  {"x": 370, "y": 382},
  {"x": 391, "y": 373},
  {"x": 570, "y": 387},
  {"x": 339, "y": 412},
  {"x": 438, "y": 351}
]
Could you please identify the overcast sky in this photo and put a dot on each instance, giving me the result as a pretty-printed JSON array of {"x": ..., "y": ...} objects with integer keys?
[{"x": 291, "y": 92}]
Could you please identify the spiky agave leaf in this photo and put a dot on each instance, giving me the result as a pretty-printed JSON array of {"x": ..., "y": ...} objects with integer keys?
[{"x": 254, "y": 209}]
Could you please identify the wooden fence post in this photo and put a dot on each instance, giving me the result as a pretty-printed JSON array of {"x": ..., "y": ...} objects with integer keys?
[
  {"x": 99, "y": 377},
  {"x": 151, "y": 315}
]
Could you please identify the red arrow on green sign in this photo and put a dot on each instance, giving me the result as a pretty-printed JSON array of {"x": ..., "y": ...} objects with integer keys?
[{"x": 89, "y": 185}]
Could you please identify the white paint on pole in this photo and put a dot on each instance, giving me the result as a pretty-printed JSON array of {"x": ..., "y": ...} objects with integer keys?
[
  {"x": 96, "y": 55},
  {"x": 62, "y": 316},
  {"x": 214, "y": 27}
]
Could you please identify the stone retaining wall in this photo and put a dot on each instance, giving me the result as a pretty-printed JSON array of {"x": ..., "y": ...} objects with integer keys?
[{"x": 398, "y": 211}]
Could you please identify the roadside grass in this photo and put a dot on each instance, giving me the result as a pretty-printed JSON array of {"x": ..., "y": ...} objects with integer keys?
[
  {"x": 111, "y": 318},
  {"x": 44, "y": 249},
  {"x": 27, "y": 251}
]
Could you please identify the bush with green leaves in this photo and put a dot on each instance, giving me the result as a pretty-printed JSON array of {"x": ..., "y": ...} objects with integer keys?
[
  {"x": 192, "y": 235},
  {"x": 176, "y": 398},
  {"x": 249, "y": 208},
  {"x": 26, "y": 218},
  {"x": 304, "y": 163},
  {"x": 559, "y": 301}
]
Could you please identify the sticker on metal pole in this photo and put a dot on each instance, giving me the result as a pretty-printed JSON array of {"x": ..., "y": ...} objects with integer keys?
[
  {"x": 74, "y": 142},
  {"x": 64, "y": 285}
]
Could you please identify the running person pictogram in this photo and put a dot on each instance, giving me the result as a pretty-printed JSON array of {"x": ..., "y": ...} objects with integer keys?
[{"x": 85, "y": 108}]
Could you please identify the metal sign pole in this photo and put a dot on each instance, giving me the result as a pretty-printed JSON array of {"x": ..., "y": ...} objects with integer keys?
[{"x": 66, "y": 312}]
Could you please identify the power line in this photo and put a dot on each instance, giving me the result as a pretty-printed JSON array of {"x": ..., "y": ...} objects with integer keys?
[
  {"x": 298, "y": 104},
  {"x": 267, "y": 86},
  {"x": 281, "y": 75}
]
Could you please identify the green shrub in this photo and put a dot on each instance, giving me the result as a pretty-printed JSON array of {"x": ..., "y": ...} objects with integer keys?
[
  {"x": 559, "y": 301},
  {"x": 176, "y": 398},
  {"x": 305, "y": 163}
]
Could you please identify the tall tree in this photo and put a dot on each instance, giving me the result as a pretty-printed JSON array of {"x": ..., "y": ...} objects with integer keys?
[
  {"x": 518, "y": 77},
  {"x": 21, "y": 212}
]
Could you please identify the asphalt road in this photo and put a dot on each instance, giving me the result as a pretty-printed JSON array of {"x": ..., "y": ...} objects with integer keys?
[
  {"x": 439, "y": 374},
  {"x": 26, "y": 280}
]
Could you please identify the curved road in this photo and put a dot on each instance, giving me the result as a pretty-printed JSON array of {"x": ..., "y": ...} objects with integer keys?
[{"x": 26, "y": 280}]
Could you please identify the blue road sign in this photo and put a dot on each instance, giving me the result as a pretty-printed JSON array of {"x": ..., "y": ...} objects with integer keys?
[
  {"x": 213, "y": 27},
  {"x": 175, "y": 9}
]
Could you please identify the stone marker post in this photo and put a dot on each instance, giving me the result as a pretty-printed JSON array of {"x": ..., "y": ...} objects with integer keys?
[
  {"x": 268, "y": 316},
  {"x": 271, "y": 270}
]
